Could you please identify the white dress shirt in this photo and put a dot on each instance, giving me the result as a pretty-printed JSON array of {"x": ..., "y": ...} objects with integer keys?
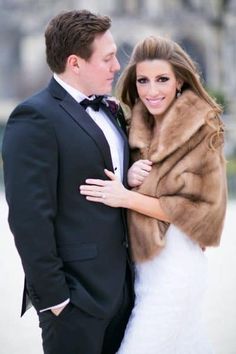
[{"x": 112, "y": 135}]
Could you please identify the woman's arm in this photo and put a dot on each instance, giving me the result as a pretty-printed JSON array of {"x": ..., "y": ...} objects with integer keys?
[
  {"x": 113, "y": 193},
  {"x": 146, "y": 205}
]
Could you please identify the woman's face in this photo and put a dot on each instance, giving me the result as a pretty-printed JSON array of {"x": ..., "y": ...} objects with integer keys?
[{"x": 156, "y": 85}]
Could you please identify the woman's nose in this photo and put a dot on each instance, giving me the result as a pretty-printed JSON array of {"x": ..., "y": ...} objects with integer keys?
[{"x": 153, "y": 89}]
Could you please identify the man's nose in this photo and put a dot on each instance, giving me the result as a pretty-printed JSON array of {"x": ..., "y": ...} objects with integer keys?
[{"x": 115, "y": 65}]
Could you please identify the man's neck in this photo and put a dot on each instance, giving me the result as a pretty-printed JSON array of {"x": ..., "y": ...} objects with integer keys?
[
  {"x": 68, "y": 80},
  {"x": 74, "y": 92}
]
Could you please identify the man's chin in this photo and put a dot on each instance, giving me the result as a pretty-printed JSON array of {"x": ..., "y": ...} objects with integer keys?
[
  {"x": 108, "y": 90},
  {"x": 105, "y": 91}
]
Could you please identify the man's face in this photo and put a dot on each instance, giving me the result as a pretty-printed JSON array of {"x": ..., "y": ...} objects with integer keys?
[{"x": 97, "y": 73}]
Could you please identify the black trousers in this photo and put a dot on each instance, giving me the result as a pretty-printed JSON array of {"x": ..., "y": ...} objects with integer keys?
[{"x": 76, "y": 332}]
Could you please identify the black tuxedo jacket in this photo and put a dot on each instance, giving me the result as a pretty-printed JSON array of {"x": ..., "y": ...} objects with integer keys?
[{"x": 69, "y": 247}]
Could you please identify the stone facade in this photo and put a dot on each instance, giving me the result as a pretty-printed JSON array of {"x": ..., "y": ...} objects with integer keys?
[{"x": 206, "y": 29}]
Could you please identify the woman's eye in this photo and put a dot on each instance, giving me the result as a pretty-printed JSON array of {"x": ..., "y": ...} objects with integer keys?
[
  {"x": 163, "y": 79},
  {"x": 142, "y": 80}
]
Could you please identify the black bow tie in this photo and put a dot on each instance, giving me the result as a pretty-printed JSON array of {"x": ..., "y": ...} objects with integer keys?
[{"x": 94, "y": 104}]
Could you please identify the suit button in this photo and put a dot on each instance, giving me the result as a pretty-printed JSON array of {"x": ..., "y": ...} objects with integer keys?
[
  {"x": 125, "y": 244},
  {"x": 35, "y": 298}
]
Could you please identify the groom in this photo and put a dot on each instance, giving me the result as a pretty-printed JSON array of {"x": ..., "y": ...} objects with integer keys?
[{"x": 74, "y": 252}]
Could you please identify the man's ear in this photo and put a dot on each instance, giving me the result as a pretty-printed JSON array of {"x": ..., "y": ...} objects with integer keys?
[{"x": 74, "y": 63}]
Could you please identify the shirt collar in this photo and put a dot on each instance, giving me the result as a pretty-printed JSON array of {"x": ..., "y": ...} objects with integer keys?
[{"x": 76, "y": 94}]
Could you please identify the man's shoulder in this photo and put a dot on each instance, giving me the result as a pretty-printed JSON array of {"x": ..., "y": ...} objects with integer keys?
[
  {"x": 40, "y": 101},
  {"x": 36, "y": 99}
]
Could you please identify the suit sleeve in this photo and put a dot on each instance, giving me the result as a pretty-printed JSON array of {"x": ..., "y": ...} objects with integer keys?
[{"x": 30, "y": 159}]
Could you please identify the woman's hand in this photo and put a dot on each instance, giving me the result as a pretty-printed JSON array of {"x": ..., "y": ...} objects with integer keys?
[
  {"x": 138, "y": 171},
  {"x": 111, "y": 193},
  {"x": 114, "y": 194}
]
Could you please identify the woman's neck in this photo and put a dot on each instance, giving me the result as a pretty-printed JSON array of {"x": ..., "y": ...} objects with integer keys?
[{"x": 157, "y": 124}]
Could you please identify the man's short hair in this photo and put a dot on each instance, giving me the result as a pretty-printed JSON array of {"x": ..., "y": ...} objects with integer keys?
[{"x": 72, "y": 32}]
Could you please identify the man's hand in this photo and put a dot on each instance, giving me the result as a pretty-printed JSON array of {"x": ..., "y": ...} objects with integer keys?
[
  {"x": 58, "y": 310},
  {"x": 138, "y": 171}
]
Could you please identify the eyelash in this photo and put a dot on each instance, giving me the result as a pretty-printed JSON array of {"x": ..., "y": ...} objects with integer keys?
[{"x": 144, "y": 80}]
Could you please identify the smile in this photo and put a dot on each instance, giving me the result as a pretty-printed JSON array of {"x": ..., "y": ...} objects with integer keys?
[{"x": 153, "y": 102}]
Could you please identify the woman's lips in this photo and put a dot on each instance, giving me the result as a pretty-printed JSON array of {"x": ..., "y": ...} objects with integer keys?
[{"x": 155, "y": 102}]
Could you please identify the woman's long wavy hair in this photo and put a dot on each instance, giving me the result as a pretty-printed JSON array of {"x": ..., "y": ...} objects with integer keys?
[{"x": 185, "y": 69}]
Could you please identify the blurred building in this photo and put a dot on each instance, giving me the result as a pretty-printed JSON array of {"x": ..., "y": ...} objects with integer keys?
[{"x": 206, "y": 29}]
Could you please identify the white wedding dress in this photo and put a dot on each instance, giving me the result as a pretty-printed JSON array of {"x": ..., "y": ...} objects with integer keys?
[{"x": 166, "y": 318}]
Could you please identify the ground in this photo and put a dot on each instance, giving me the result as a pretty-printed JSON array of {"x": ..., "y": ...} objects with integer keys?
[{"x": 22, "y": 335}]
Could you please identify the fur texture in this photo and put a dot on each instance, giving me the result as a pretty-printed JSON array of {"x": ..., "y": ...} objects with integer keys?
[{"x": 188, "y": 176}]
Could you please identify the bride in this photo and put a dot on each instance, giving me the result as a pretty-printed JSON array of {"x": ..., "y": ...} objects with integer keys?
[{"x": 177, "y": 203}]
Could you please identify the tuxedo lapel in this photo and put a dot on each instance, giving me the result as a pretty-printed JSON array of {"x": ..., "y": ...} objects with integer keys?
[
  {"x": 82, "y": 118},
  {"x": 126, "y": 162},
  {"x": 124, "y": 136}
]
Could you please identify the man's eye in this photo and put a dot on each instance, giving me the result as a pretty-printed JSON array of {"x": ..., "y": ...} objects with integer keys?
[
  {"x": 108, "y": 58},
  {"x": 142, "y": 80}
]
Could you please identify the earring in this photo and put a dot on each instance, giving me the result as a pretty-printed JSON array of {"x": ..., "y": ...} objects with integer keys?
[{"x": 178, "y": 93}]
